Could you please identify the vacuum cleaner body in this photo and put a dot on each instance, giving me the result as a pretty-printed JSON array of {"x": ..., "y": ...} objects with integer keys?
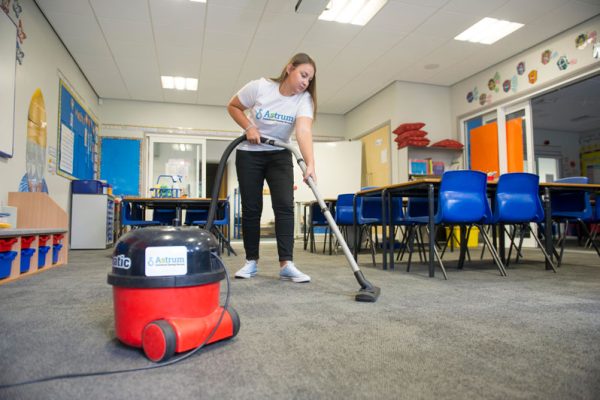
[{"x": 166, "y": 285}]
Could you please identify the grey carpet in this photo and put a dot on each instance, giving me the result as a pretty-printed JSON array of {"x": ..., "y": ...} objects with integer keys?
[{"x": 532, "y": 335}]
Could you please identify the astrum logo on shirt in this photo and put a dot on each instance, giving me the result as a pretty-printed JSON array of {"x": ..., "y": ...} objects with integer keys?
[{"x": 274, "y": 116}]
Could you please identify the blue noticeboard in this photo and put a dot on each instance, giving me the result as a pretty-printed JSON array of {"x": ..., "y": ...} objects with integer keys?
[
  {"x": 78, "y": 138},
  {"x": 120, "y": 165}
]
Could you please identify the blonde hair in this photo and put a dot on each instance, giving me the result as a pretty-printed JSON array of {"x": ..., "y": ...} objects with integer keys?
[{"x": 298, "y": 59}]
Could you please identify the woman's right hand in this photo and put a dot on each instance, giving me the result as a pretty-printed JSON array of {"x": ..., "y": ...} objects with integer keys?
[{"x": 253, "y": 135}]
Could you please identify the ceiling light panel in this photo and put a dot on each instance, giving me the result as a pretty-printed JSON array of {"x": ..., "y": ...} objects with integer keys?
[
  {"x": 488, "y": 31},
  {"x": 356, "y": 12}
]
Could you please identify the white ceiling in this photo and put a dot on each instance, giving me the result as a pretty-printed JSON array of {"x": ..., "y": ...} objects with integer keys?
[{"x": 124, "y": 46}]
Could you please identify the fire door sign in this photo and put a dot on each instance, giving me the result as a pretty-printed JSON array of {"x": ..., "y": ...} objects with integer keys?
[{"x": 166, "y": 261}]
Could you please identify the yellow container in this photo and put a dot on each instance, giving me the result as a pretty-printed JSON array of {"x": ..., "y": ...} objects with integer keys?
[{"x": 472, "y": 239}]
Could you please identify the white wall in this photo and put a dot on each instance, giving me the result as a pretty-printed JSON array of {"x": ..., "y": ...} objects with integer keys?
[
  {"x": 44, "y": 57},
  {"x": 399, "y": 103}
]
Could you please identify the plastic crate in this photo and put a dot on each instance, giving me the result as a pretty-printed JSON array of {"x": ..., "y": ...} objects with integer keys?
[
  {"x": 56, "y": 252},
  {"x": 7, "y": 243},
  {"x": 86, "y": 187},
  {"x": 26, "y": 241},
  {"x": 6, "y": 259},
  {"x": 26, "y": 255},
  {"x": 43, "y": 239},
  {"x": 42, "y": 251},
  {"x": 57, "y": 237}
]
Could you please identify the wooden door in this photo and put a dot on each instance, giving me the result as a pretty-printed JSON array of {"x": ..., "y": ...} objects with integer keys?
[{"x": 376, "y": 158}]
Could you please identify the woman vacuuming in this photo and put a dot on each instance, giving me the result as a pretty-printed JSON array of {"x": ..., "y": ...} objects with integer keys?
[{"x": 277, "y": 107}]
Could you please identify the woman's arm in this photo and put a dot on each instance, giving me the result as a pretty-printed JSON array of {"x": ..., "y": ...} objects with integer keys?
[
  {"x": 236, "y": 110},
  {"x": 305, "y": 142}
]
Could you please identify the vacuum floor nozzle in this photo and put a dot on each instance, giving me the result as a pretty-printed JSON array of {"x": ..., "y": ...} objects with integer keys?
[{"x": 369, "y": 295}]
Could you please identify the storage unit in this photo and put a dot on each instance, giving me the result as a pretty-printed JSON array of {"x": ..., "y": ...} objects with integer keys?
[
  {"x": 27, "y": 251},
  {"x": 92, "y": 221}
]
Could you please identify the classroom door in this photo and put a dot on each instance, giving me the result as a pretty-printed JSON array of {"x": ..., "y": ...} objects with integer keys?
[
  {"x": 177, "y": 161},
  {"x": 376, "y": 155}
]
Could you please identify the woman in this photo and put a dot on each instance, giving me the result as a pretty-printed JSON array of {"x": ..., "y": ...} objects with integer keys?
[{"x": 276, "y": 107}]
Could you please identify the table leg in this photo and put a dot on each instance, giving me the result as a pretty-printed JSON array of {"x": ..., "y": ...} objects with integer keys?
[
  {"x": 548, "y": 228},
  {"x": 462, "y": 245},
  {"x": 384, "y": 226},
  {"x": 430, "y": 199}
]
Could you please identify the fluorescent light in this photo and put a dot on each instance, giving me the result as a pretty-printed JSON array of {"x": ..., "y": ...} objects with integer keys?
[
  {"x": 179, "y": 83},
  {"x": 356, "y": 12},
  {"x": 167, "y": 82},
  {"x": 198, "y": 1},
  {"x": 488, "y": 31},
  {"x": 191, "y": 84}
]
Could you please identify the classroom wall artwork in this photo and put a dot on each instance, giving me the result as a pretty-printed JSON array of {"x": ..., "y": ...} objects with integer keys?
[
  {"x": 35, "y": 153},
  {"x": 15, "y": 16},
  {"x": 549, "y": 62}
]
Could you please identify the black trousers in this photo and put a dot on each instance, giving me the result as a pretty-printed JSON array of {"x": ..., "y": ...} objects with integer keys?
[{"x": 276, "y": 167}]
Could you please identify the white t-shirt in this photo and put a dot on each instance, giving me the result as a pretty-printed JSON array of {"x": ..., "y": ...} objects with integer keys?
[{"x": 273, "y": 113}]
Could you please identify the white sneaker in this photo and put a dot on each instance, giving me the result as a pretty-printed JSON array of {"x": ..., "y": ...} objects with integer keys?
[
  {"x": 248, "y": 270},
  {"x": 291, "y": 273}
]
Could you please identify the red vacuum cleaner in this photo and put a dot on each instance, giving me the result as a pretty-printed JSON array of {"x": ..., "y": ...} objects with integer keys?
[
  {"x": 166, "y": 291},
  {"x": 166, "y": 283}
]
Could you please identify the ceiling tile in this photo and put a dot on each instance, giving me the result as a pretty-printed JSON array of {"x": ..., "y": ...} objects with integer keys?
[
  {"x": 131, "y": 10},
  {"x": 181, "y": 14}
]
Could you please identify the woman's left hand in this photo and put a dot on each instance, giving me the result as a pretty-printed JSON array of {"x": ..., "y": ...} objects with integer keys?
[{"x": 310, "y": 172}]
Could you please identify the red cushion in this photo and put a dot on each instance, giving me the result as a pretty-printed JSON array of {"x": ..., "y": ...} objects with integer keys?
[
  {"x": 417, "y": 142},
  {"x": 449, "y": 143},
  {"x": 408, "y": 134},
  {"x": 412, "y": 126}
]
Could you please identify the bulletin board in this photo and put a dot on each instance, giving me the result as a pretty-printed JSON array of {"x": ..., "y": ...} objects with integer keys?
[
  {"x": 77, "y": 137},
  {"x": 8, "y": 65},
  {"x": 120, "y": 164}
]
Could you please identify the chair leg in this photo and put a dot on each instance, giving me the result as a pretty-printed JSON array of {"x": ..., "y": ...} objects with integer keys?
[
  {"x": 440, "y": 262},
  {"x": 589, "y": 235},
  {"x": 539, "y": 243},
  {"x": 494, "y": 253}
]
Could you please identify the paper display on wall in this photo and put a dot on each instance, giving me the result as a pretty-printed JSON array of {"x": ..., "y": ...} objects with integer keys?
[{"x": 66, "y": 149}]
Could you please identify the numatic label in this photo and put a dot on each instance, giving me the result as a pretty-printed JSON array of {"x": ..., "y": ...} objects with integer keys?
[
  {"x": 166, "y": 261},
  {"x": 122, "y": 262}
]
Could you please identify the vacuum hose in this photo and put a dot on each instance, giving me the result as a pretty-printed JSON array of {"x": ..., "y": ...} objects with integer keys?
[{"x": 214, "y": 198}]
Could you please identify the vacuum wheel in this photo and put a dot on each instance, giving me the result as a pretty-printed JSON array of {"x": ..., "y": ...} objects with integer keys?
[{"x": 159, "y": 341}]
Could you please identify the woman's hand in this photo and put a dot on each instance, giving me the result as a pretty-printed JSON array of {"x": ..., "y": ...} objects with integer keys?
[
  {"x": 310, "y": 172},
  {"x": 253, "y": 135}
]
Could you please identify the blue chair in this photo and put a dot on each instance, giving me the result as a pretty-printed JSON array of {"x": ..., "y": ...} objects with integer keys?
[
  {"x": 132, "y": 215},
  {"x": 417, "y": 216},
  {"x": 317, "y": 219},
  {"x": 517, "y": 203},
  {"x": 462, "y": 201},
  {"x": 344, "y": 215},
  {"x": 196, "y": 217},
  {"x": 220, "y": 226},
  {"x": 164, "y": 216},
  {"x": 570, "y": 206}
]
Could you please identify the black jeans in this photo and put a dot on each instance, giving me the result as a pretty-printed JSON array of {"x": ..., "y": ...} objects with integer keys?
[{"x": 253, "y": 168}]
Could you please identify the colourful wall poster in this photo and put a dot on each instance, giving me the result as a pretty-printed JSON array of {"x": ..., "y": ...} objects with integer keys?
[{"x": 77, "y": 138}]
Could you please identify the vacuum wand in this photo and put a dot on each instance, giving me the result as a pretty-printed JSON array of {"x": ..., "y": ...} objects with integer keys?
[{"x": 367, "y": 292}]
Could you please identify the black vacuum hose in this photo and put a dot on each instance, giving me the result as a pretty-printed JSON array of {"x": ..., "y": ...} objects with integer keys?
[{"x": 214, "y": 198}]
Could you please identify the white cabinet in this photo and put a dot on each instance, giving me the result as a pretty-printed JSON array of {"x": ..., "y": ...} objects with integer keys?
[{"x": 92, "y": 221}]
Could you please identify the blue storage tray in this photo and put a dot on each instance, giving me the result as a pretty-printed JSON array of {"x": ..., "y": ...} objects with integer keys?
[
  {"x": 6, "y": 259},
  {"x": 42, "y": 251},
  {"x": 26, "y": 255},
  {"x": 55, "y": 252},
  {"x": 86, "y": 186}
]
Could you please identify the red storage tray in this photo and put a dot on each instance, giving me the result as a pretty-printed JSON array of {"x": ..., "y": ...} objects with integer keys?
[
  {"x": 26, "y": 241},
  {"x": 57, "y": 237},
  {"x": 42, "y": 239},
  {"x": 7, "y": 243}
]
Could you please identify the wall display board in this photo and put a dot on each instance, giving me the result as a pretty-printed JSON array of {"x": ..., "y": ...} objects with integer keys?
[
  {"x": 77, "y": 138},
  {"x": 120, "y": 164},
  {"x": 8, "y": 65}
]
